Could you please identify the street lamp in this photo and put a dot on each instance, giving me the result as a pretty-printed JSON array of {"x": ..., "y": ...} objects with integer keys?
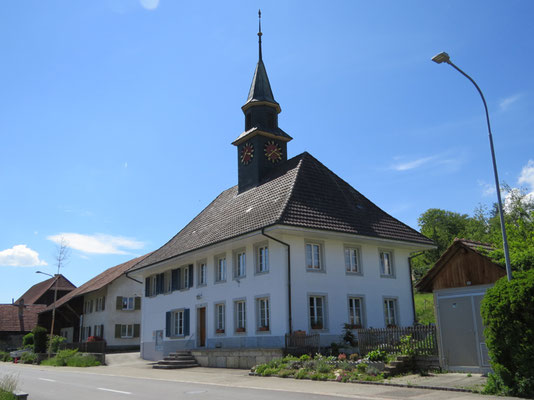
[
  {"x": 53, "y": 309},
  {"x": 444, "y": 58}
]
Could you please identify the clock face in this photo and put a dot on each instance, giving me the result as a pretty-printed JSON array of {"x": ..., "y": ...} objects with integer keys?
[
  {"x": 247, "y": 153},
  {"x": 273, "y": 152}
]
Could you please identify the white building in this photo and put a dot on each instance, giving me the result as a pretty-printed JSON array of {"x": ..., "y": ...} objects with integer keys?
[
  {"x": 291, "y": 247},
  {"x": 110, "y": 308}
]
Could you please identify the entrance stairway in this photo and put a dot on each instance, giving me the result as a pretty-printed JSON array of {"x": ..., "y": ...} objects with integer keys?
[{"x": 176, "y": 360}]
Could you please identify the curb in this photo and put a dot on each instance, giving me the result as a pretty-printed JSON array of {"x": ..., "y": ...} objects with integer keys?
[{"x": 404, "y": 385}]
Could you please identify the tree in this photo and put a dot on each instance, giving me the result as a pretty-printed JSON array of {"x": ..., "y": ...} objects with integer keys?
[{"x": 508, "y": 316}]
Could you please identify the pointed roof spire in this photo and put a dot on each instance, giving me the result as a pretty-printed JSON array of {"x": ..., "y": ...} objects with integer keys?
[
  {"x": 259, "y": 31},
  {"x": 260, "y": 89}
]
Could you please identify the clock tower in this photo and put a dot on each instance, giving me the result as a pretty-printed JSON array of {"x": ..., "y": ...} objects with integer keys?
[{"x": 263, "y": 145}]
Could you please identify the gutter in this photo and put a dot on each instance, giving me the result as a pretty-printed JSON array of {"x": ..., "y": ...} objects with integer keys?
[
  {"x": 411, "y": 283},
  {"x": 133, "y": 279},
  {"x": 288, "y": 277}
]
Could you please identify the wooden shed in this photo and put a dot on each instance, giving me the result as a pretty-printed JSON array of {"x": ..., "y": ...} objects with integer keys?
[{"x": 459, "y": 281}]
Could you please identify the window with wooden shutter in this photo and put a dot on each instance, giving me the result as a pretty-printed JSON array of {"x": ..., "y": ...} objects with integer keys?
[
  {"x": 119, "y": 303},
  {"x": 186, "y": 322},
  {"x": 117, "y": 331},
  {"x": 191, "y": 273},
  {"x": 168, "y": 324},
  {"x": 137, "y": 303},
  {"x": 103, "y": 303},
  {"x": 175, "y": 277},
  {"x": 147, "y": 287}
]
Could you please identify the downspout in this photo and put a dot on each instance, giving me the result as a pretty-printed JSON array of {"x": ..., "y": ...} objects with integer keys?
[
  {"x": 288, "y": 276},
  {"x": 411, "y": 284}
]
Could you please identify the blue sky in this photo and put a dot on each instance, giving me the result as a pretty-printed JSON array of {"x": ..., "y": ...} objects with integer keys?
[{"x": 117, "y": 115}]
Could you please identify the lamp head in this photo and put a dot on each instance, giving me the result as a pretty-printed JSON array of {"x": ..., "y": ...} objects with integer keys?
[{"x": 441, "y": 57}]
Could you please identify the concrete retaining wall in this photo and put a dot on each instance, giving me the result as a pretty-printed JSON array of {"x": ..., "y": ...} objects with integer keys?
[{"x": 235, "y": 358}]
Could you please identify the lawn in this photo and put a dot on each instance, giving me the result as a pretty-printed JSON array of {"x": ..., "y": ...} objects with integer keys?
[{"x": 424, "y": 308}]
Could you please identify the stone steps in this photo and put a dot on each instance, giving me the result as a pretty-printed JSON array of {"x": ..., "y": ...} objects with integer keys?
[{"x": 177, "y": 360}]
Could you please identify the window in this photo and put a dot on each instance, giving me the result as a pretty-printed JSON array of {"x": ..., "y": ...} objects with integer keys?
[
  {"x": 317, "y": 312},
  {"x": 352, "y": 260},
  {"x": 240, "y": 316},
  {"x": 127, "y": 303},
  {"x": 262, "y": 261},
  {"x": 386, "y": 263},
  {"x": 202, "y": 273},
  {"x": 100, "y": 303},
  {"x": 240, "y": 264},
  {"x": 99, "y": 331},
  {"x": 168, "y": 281},
  {"x": 313, "y": 256},
  {"x": 390, "y": 312},
  {"x": 220, "y": 273},
  {"x": 126, "y": 331},
  {"x": 91, "y": 306},
  {"x": 355, "y": 312},
  {"x": 263, "y": 314},
  {"x": 177, "y": 323},
  {"x": 86, "y": 332},
  {"x": 220, "y": 317},
  {"x": 154, "y": 286},
  {"x": 185, "y": 277}
]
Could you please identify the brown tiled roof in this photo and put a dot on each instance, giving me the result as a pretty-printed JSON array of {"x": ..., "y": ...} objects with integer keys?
[
  {"x": 300, "y": 192},
  {"x": 34, "y": 293},
  {"x": 99, "y": 281},
  {"x": 10, "y": 321}
]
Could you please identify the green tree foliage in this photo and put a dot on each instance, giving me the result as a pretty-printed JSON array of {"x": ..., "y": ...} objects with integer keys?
[
  {"x": 27, "y": 341},
  {"x": 508, "y": 315},
  {"x": 39, "y": 339}
]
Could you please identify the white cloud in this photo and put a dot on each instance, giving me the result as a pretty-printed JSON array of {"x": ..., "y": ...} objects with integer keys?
[
  {"x": 487, "y": 188},
  {"x": 98, "y": 243},
  {"x": 405, "y": 166},
  {"x": 527, "y": 175},
  {"x": 508, "y": 101},
  {"x": 20, "y": 256},
  {"x": 149, "y": 4}
]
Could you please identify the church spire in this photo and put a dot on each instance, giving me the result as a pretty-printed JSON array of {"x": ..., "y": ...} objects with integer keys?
[{"x": 259, "y": 32}]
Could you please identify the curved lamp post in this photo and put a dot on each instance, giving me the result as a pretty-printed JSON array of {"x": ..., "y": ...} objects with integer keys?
[
  {"x": 53, "y": 309},
  {"x": 444, "y": 58}
]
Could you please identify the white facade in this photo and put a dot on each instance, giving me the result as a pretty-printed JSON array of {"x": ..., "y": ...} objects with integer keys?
[
  {"x": 323, "y": 297},
  {"x": 111, "y": 313}
]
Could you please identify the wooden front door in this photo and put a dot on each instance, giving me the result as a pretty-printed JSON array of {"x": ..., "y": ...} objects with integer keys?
[{"x": 202, "y": 327}]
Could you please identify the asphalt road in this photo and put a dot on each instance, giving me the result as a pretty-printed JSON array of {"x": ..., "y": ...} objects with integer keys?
[{"x": 142, "y": 382}]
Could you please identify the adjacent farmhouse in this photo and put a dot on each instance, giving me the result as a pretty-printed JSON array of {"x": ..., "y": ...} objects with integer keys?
[
  {"x": 291, "y": 247},
  {"x": 106, "y": 307},
  {"x": 20, "y": 317}
]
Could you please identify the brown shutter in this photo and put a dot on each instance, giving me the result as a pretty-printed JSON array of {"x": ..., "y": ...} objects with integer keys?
[
  {"x": 102, "y": 331},
  {"x": 137, "y": 328},
  {"x": 103, "y": 303},
  {"x": 117, "y": 331},
  {"x": 119, "y": 302},
  {"x": 137, "y": 304}
]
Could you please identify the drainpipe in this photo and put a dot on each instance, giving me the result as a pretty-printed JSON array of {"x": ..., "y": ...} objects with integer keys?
[
  {"x": 411, "y": 284},
  {"x": 288, "y": 276}
]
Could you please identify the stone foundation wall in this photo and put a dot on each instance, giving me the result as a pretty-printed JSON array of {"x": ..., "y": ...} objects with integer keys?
[{"x": 235, "y": 358}]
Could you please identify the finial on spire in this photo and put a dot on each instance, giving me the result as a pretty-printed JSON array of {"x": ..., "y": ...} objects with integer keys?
[{"x": 259, "y": 31}]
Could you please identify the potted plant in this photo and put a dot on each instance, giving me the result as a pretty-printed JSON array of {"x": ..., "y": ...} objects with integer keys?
[
  {"x": 240, "y": 330},
  {"x": 263, "y": 328},
  {"x": 317, "y": 325},
  {"x": 219, "y": 331}
]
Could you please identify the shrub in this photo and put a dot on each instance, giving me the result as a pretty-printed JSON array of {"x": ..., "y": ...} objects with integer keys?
[
  {"x": 55, "y": 342},
  {"x": 348, "y": 336},
  {"x": 407, "y": 346},
  {"x": 9, "y": 383},
  {"x": 270, "y": 371},
  {"x": 342, "y": 357},
  {"x": 305, "y": 357},
  {"x": 354, "y": 357},
  {"x": 7, "y": 395},
  {"x": 377, "y": 355},
  {"x": 72, "y": 358},
  {"x": 362, "y": 368},
  {"x": 285, "y": 373},
  {"x": 27, "y": 341},
  {"x": 302, "y": 374},
  {"x": 28, "y": 358},
  {"x": 4, "y": 356},
  {"x": 323, "y": 367},
  {"x": 81, "y": 360},
  {"x": 508, "y": 315},
  {"x": 260, "y": 368},
  {"x": 39, "y": 339}
]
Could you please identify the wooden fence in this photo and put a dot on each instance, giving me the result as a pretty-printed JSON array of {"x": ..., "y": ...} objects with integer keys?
[
  {"x": 423, "y": 340},
  {"x": 86, "y": 347},
  {"x": 298, "y": 343}
]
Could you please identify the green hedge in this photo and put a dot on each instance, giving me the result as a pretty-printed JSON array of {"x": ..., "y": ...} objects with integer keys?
[{"x": 508, "y": 315}]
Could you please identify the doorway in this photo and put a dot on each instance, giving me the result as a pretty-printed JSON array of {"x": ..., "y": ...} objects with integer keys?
[{"x": 201, "y": 314}]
